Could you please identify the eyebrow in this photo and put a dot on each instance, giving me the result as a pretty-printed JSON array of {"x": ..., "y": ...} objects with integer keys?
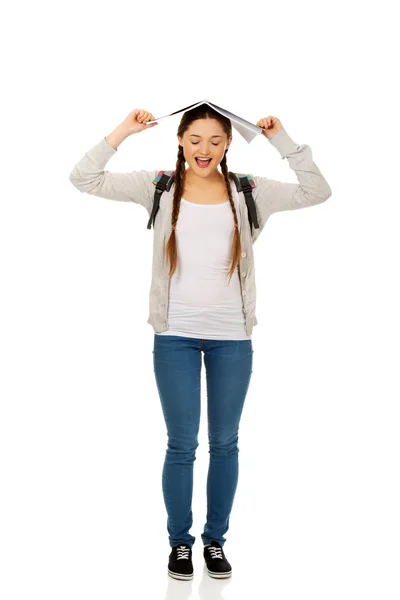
[{"x": 195, "y": 135}]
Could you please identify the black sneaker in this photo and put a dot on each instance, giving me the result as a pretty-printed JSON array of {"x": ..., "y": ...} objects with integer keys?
[
  {"x": 180, "y": 564},
  {"x": 217, "y": 564}
]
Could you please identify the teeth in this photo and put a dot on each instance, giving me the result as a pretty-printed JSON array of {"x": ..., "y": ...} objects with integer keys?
[{"x": 203, "y": 159}]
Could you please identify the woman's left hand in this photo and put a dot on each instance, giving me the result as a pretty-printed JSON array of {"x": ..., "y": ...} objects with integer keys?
[{"x": 271, "y": 126}]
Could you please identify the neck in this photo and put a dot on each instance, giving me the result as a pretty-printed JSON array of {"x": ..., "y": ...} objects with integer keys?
[{"x": 192, "y": 179}]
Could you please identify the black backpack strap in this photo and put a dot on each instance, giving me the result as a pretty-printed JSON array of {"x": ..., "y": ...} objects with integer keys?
[
  {"x": 163, "y": 181},
  {"x": 245, "y": 183}
]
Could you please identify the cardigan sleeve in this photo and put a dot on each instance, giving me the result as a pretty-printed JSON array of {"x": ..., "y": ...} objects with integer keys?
[
  {"x": 88, "y": 175},
  {"x": 312, "y": 188}
]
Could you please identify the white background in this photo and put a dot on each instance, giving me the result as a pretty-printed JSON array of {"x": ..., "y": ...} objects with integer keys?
[{"x": 82, "y": 436}]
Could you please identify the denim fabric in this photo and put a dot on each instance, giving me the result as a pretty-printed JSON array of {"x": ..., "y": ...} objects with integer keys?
[{"x": 177, "y": 367}]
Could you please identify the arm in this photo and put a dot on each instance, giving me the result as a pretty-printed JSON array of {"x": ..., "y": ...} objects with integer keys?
[
  {"x": 272, "y": 196},
  {"x": 88, "y": 175}
]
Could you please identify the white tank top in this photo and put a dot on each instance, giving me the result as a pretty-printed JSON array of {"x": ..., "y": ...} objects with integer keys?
[{"x": 201, "y": 303}]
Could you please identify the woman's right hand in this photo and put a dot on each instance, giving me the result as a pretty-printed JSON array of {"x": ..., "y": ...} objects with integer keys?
[{"x": 136, "y": 121}]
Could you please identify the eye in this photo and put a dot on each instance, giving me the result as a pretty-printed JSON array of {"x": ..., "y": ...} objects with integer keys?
[{"x": 195, "y": 143}]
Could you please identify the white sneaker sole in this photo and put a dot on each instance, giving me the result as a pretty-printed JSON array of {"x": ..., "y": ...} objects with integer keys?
[
  {"x": 219, "y": 575},
  {"x": 180, "y": 576}
]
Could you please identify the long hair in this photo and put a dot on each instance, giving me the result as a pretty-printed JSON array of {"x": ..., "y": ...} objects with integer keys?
[{"x": 201, "y": 112}]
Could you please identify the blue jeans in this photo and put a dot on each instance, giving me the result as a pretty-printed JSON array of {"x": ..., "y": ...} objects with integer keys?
[{"x": 177, "y": 369}]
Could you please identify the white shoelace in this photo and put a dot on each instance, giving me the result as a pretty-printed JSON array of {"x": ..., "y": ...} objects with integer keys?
[
  {"x": 182, "y": 552},
  {"x": 215, "y": 552}
]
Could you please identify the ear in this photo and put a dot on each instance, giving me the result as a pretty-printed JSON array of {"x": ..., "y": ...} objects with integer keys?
[{"x": 180, "y": 140}]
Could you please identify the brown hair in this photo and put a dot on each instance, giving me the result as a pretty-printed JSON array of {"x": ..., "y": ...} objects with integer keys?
[{"x": 201, "y": 112}]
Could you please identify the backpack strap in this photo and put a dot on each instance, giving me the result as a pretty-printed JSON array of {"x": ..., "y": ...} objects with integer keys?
[
  {"x": 162, "y": 181},
  {"x": 245, "y": 183}
]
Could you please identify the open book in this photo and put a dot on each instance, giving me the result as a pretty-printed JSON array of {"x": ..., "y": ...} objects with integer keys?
[{"x": 246, "y": 129}]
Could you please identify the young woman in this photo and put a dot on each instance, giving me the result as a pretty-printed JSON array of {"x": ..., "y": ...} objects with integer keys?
[{"x": 205, "y": 303}]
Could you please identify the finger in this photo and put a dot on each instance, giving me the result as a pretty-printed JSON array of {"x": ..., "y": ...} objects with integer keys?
[{"x": 142, "y": 115}]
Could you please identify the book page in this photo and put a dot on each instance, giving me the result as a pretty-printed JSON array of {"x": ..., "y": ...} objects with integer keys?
[{"x": 246, "y": 129}]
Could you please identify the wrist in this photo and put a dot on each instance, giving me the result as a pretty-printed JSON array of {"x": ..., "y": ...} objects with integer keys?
[{"x": 117, "y": 136}]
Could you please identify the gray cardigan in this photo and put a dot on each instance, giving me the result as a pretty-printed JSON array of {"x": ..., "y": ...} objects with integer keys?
[{"x": 88, "y": 175}]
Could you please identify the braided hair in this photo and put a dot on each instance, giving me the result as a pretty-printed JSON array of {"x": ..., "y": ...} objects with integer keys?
[{"x": 201, "y": 112}]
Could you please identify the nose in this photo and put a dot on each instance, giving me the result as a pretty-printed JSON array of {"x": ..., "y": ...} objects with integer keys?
[{"x": 203, "y": 149}]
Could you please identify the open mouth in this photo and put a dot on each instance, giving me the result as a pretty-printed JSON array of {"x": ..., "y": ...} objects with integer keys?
[{"x": 203, "y": 163}]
